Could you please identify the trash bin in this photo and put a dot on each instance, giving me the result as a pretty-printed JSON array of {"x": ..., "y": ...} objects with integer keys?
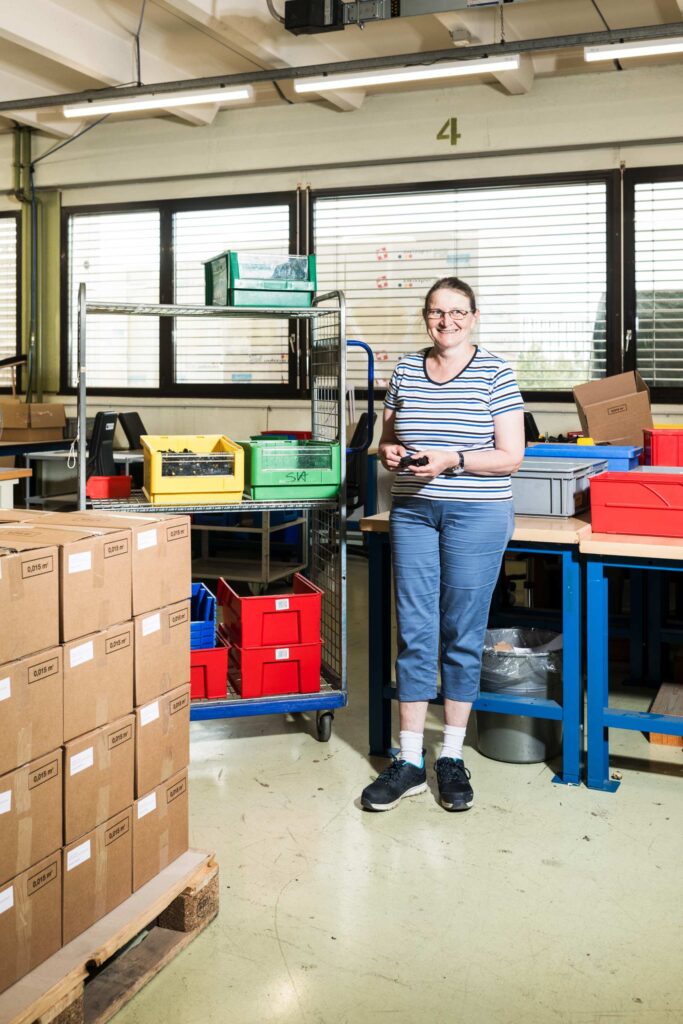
[{"x": 520, "y": 663}]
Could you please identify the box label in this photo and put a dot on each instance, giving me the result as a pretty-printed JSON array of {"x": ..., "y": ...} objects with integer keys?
[
  {"x": 47, "y": 771},
  {"x": 152, "y": 624},
  {"x": 282, "y": 604},
  {"x": 5, "y": 688},
  {"x": 80, "y": 562},
  {"x": 147, "y": 805},
  {"x": 113, "y": 548},
  {"x": 176, "y": 790},
  {"x": 43, "y": 669},
  {"x": 37, "y": 567},
  {"x": 282, "y": 654},
  {"x": 147, "y": 539},
  {"x": 177, "y": 532},
  {"x": 6, "y": 801},
  {"x": 78, "y": 855},
  {"x": 117, "y": 831},
  {"x": 617, "y": 409},
  {"x": 177, "y": 618},
  {"x": 149, "y": 713},
  {"x": 119, "y": 736},
  {"x": 79, "y": 655},
  {"x": 79, "y": 762},
  {"x": 179, "y": 703},
  {"x": 41, "y": 878},
  {"x": 7, "y": 899},
  {"x": 117, "y": 643}
]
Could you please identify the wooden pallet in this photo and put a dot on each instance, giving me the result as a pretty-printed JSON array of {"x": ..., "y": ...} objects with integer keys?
[{"x": 91, "y": 978}]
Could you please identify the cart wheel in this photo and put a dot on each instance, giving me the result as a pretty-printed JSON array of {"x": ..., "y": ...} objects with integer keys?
[{"x": 323, "y": 723}]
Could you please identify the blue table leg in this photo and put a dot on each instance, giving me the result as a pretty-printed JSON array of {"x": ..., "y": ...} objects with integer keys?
[
  {"x": 572, "y": 690},
  {"x": 598, "y": 678},
  {"x": 379, "y": 642}
]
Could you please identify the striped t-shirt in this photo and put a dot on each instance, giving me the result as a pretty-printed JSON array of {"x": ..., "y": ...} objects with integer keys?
[{"x": 457, "y": 415}]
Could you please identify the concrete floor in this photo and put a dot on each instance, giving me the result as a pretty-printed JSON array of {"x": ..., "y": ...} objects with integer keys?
[{"x": 541, "y": 905}]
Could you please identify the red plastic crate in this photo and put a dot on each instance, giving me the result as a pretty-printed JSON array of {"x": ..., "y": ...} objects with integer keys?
[
  {"x": 273, "y": 620},
  {"x": 272, "y": 671},
  {"x": 108, "y": 486},
  {"x": 644, "y": 504},
  {"x": 664, "y": 446},
  {"x": 209, "y": 673}
]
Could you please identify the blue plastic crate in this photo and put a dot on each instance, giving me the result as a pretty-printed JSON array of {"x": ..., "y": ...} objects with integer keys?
[
  {"x": 202, "y": 617},
  {"x": 620, "y": 458}
]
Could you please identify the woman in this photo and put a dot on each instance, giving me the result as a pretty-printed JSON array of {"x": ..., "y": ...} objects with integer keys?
[{"x": 453, "y": 433}]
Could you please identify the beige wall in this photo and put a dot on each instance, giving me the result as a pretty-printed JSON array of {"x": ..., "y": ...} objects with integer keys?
[{"x": 574, "y": 123}]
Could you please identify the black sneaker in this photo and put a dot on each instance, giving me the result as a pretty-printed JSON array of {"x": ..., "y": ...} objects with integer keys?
[
  {"x": 454, "y": 786},
  {"x": 400, "y": 779}
]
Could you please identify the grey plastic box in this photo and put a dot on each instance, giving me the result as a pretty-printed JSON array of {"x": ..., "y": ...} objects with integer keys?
[{"x": 554, "y": 487}]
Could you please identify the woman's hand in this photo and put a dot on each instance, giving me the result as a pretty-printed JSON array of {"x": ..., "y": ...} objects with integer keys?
[
  {"x": 390, "y": 454},
  {"x": 440, "y": 460}
]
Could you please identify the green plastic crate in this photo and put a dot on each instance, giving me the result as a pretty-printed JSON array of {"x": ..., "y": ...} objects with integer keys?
[
  {"x": 279, "y": 470},
  {"x": 235, "y": 279}
]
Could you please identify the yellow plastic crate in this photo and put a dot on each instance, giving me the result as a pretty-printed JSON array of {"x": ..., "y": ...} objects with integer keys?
[{"x": 197, "y": 469}]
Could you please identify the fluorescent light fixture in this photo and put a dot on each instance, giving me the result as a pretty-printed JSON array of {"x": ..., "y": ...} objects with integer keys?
[
  {"x": 415, "y": 73},
  {"x": 158, "y": 101},
  {"x": 644, "y": 48}
]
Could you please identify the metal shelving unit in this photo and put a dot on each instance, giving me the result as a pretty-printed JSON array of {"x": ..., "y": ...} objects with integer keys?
[{"x": 327, "y": 518}]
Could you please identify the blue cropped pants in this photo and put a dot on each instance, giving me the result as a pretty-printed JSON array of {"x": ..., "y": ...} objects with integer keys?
[{"x": 446, "y": 558}]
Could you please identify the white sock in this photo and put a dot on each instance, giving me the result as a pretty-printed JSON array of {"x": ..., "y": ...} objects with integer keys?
[
  {"x": 453, "y": 739},
  {"x": 411, "y": 747}
]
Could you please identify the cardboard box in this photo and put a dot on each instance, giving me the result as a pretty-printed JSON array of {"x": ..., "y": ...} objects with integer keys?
[
  {"x": 38, "y": 421},
  {"x": 29, "y": 596},
  {"x": 614, "y": 409},
  {"x": 94, "y": 573},
  {"x": 31, "y": 701},
  {"x": 98, "y": 777},
  {"x": 162, "y": 651},
  {"x": 162, "y": 739},
  {"x": 98, "y": 679},
  {"x": 30, "y": 919},
  {"x": 160, "y": 828},
  {"x": 30, "y": 814},
  {"x": 98, "y": 874}
]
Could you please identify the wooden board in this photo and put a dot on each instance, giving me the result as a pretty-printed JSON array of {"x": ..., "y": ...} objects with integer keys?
[
  {"x": 626, "y": 546},
  {"x": 91, "y": 978},
  {"x": 669, "y": 701},
  {"x": 528, "y": 529}
]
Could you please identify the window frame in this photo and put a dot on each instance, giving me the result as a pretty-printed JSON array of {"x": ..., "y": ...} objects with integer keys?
[
  {"x": 611, "y": 179},
  {"x": 666, "y": 395},
  {"x": 19, "y": 376},
  {"x": 168, "y": 388}
]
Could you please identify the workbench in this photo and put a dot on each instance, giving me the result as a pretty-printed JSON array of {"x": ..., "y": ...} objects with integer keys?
[
  {"x": 532, "y": 535},
  {"x": 8, "y": 479},
  {"x": 602, "y": 551}
]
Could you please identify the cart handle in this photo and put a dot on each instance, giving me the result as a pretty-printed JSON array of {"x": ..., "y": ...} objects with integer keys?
[{"x": 353, "y": 343}]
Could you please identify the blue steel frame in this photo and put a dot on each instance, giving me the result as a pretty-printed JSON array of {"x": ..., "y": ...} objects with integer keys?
[
  {"x": 600, "y": 717},
  {"x": 287, "y": 704},
  {"x": 382, "y": 691}
]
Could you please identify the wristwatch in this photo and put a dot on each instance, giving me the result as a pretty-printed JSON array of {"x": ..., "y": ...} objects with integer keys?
[{"x": 460, "y": 468}]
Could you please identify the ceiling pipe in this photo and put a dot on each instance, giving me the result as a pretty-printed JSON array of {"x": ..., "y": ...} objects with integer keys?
[{"x": 398, "y": 60}]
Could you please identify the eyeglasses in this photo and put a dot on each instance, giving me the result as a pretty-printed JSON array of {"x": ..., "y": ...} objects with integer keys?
[{"x": 453, "y": 314}]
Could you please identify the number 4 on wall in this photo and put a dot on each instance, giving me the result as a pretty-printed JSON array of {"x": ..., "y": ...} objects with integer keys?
[{"x": 450, "y": 131}]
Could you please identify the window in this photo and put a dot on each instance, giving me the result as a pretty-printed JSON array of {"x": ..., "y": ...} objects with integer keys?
[
  {"x": 658, "y": 279},
  {"x": 8, "y": 293},
  {"x": 536, "y": 256}
]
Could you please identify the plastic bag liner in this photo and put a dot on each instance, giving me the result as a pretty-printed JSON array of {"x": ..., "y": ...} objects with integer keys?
[{"x": 523, "y": 662}]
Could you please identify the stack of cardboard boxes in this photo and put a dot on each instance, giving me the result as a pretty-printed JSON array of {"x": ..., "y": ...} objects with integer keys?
[{"x": 94, "y": 719}]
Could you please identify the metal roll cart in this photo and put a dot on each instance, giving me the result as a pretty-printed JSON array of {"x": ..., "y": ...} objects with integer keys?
[{"x": 326, "y": 321}]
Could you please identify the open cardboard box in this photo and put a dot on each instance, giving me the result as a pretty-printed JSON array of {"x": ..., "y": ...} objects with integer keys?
[{"x": 615, "y": 409}]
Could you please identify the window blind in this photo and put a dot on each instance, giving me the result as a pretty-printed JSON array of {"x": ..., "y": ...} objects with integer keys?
[
  {"x": 658, "y": 231},
  {"x": 118, "y": 257},
  {"x": 535, "y": 256},
  {"x": 8, "y": 293},
  {"x": 222, "y": 351}
]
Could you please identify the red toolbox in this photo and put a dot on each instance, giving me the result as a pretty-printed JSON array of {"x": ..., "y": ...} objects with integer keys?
[
  {"x": 209, "y": 673},
  {"x": 108, "y": 486},
  {"x": 271, "y": 671},
  {"x": 664, "y": 446},
  {"x": 273, "y": 621},
  {"x": 645, "y": 504}
]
